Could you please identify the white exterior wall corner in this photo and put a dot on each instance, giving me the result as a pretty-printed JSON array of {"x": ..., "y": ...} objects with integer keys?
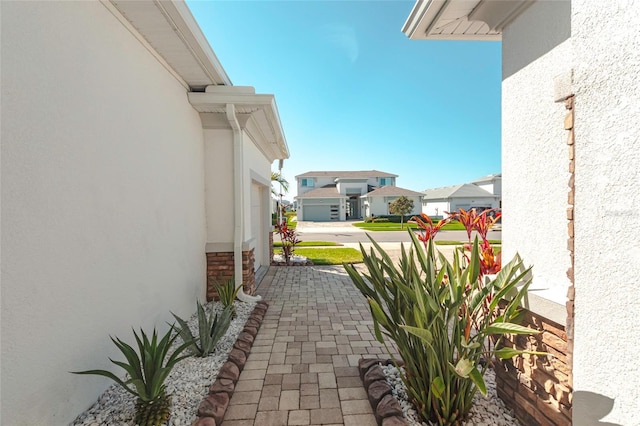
[
  {"x": 103, "y": 224},
  {"x": 606, "y": 374},
  {"x": 534, "y": 151}
]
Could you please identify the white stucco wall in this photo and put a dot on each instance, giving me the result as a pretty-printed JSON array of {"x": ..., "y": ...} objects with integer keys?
[
  {"x": 257, "y": 178},
  {"x": 102, "y": 202},
  {"x": 219, "y": 186},
  {"x": 606, "y": 45},
  {"x": 534, "y": 151}
]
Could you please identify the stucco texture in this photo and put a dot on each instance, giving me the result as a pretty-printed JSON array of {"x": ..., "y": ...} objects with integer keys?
[
  {"x": 103, "y": 225},
  {"x": 606, "y": 44},
  {"x": 535, "y": 171}
]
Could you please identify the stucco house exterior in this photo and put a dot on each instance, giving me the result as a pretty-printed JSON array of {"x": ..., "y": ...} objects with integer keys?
[
  {"x": 437, "y": 201},
  {"x": 335, "y": 195},
  {"x": 132, "y": 169},
  {"x": 376, "y": 202},
  {"x": 570, "y": 163}
]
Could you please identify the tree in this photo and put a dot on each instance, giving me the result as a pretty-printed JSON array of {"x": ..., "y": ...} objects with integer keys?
[
  {"x": 277, "y": 178},
  {"x": 401, "y": 206}
]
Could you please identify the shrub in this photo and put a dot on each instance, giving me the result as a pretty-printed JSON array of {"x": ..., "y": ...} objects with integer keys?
[
  {"x": 289, "y": 239},
  {"x": 210, "y": 330},
  {"x": 368, "y": 219},
  {"x": 380, "y": 220},
  {"x": 147, "y": 371},
  {"x": 227, "y": 292},
  {"x": 442, "y": 317}
]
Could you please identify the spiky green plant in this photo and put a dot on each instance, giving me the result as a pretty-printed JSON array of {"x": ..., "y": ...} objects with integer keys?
[
  {"x": 442, "y": 318},
  {"x": 147, "y": 371},
  {"x": 210, "y": 330},
  {"x": 227, "y": 292}
]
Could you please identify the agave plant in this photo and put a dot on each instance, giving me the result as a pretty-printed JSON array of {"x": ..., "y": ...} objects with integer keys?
[
  {"x": 227, "y": 292},
  {"x": 442, "y": 317},
  {"x": 147, "y": 371},
  {"x": 210, "y": 330}
]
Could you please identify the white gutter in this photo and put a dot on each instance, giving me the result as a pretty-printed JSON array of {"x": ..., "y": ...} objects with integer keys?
[{"x": 237, "y": 203}]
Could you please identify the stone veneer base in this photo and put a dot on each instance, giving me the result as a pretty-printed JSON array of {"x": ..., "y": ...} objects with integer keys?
[{"x": 214, "y": 406}]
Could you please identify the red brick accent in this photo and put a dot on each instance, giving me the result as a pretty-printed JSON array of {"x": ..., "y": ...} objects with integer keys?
[{"x": 220, "y": 267}]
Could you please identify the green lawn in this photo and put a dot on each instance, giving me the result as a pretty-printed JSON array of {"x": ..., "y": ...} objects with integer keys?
[
  {"x": 389, "y": 226},
  {"x": 329, "y": 256},
  {"x": 311, "y": 244}
]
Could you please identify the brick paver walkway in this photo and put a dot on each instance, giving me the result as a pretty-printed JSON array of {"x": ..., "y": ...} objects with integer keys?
[{"x": 302, "y": 369}]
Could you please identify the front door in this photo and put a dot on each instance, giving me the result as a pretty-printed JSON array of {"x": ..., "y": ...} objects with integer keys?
[{"x": 353, "y": 207}]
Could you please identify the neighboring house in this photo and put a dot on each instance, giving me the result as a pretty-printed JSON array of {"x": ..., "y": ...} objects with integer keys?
[
  {"x": 335, "y": 195},
  {"x": 376, "y": 202},
  {"x": 438, "y": 201},
  {"x": 570, "y": 162},
  {"x": 131, "y": 170},
  {"x": 492, "y": 184}
]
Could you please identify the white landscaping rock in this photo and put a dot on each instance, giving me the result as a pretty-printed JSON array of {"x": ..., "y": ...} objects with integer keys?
[
  {"x": 187, "y": 384},
  {"x": 489, "y": 410}
]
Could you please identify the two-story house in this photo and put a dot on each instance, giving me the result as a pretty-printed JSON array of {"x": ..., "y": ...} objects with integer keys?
[{"x": 341, "y": 195}]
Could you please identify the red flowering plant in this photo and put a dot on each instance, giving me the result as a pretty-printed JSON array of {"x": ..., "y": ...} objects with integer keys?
[
  {"x": 490, "y": 262},
  {"x": 289, "y": 239},
  {"x": 443, "y": 315},
  {"x": 427, "y": 228}
]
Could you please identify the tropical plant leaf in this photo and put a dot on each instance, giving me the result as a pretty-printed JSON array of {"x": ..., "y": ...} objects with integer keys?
[
  {"x": 508, "y": 328},
  {"x": 506, "y": 353},
  {"x": 478, "y": 380}
]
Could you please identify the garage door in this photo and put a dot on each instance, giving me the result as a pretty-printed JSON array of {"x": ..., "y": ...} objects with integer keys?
[{"x": 317, "y": 213}]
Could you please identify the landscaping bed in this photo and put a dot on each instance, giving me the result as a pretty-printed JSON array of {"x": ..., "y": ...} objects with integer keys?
[
  {"x": 388, "y": 398},
  {"x": 199, "y": 386}
]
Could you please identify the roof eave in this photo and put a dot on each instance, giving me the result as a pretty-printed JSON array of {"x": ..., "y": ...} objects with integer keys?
[
  {"x": 429, "y": 15},
  {"x": 176, "y": 38},
  {"x": 215, "y": 99}
]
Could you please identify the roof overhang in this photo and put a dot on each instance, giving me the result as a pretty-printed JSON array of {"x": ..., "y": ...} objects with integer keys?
[
  {"x": 481, "y": 20},
  {"x": 257, "y": 114},
  {"x": 171, "y": 30}
]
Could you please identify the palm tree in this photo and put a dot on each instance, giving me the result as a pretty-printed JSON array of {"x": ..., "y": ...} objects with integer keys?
[{"x": 276, "y": 177}]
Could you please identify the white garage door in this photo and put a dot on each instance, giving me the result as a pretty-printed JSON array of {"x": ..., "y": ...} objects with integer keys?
[{"x": 317, "y": 213}]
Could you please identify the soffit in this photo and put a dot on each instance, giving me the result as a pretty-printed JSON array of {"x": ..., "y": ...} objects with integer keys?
[
  {"x": 172, "y": 31},
  {"x": 256, "y": 113},
  {"x": 462, "y": 19}
]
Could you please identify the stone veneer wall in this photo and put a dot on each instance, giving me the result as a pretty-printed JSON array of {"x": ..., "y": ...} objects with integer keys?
[
  {"x": 537, "y": 388},
  {"x": 220, "y": 267}
]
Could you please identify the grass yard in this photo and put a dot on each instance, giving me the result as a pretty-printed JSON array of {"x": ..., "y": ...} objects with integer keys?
[
  {"x": 390, "y": 226},
  {"x": 329, "y": 256},
  {"x": 311, "y": 244}
]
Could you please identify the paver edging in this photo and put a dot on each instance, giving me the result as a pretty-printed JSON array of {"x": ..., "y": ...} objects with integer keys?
[
  {"x": 385, "y": 406},
  {"x": 213, "y": 407}
]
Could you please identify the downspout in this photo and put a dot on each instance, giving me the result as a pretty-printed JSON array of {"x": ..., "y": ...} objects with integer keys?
[{"x": 237, "y": 204}]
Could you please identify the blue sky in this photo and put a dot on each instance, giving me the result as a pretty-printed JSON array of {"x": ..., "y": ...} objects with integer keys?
[{"x": 354, "y": 93}]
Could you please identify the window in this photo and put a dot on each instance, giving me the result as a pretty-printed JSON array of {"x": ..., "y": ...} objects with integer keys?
[
  {"x": 307, "y": 182},
  {"x": 385, "y": 181}
]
